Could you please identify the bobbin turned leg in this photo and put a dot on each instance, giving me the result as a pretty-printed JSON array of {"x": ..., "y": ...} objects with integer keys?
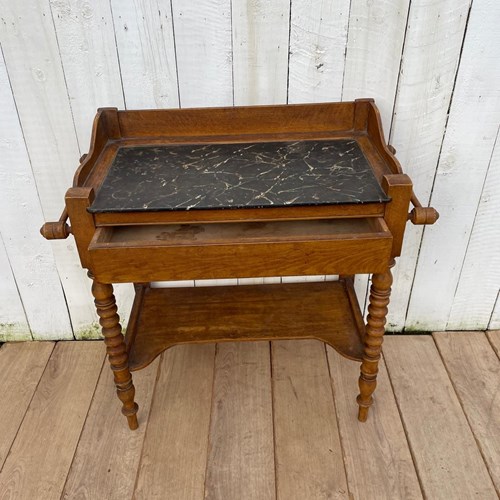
[
  {"x": 116, "y": 350},
  {"x": 380, "y": 292}
]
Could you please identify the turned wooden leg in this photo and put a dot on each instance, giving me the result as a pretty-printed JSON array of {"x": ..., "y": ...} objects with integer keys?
[
  {"x": 116, "y": 350},
  {"x": 380, "y": 292}
]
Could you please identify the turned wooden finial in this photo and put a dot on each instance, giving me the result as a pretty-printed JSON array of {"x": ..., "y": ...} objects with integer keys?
[
  {"x": 423, "y": 215},
  {"x": 55, "y": 230}
]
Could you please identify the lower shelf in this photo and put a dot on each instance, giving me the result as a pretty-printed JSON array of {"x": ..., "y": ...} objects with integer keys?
[{"x": 163, "y": 317}]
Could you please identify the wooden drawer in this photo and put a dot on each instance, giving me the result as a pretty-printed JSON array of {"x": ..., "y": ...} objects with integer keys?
[{"x": 228, "y": 250}]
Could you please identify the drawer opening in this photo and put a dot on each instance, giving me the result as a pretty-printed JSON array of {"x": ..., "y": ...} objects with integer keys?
[{"x": 166, "y": 235}]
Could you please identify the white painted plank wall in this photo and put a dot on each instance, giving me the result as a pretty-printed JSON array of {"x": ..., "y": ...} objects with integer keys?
[
  {"x": 145, "y": 42},
  {"x": 204, "y": 51},
  {"x": 475, "y": 298},
  {"x": 318, "y": 37},
  {"x": 29, "y": 255},
  {"x": 13, "y": 323},
  {"x": 87, "y": 47},
  {"x": 494, "y": 323},
  {"x": 89, "y": 58},
  {"x": 466, "y": 152},
  {"x": 433, "y": 42},
  {"x": 65, "y": 58},
  {"x": 260, "y": 51},
  {"x": 33, "y": 62},
  {"x": 373, "y": 57}
]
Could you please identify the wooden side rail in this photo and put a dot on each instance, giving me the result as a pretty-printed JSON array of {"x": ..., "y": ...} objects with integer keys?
[{"x": 59, "y": 230}]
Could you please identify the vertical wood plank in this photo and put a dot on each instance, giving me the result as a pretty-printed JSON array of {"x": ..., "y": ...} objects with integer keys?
[
  {"x": 374, "y": 46},
  {"x": 362, "y": 284},
  {"x": 241, "y": 449},
  {"x": 376, "y": 454},
  {"x": 88, "y": 54},
  {"x": 32, "y": 58},
  {"x": 308, "y": 452},
  {"x": 146, "y": 48},
  {"x": 429, "y": 64},
  {"x": 318, "y": 37},
  {"x": 217, "y": 282},
  {"x": 474, "y": 370},
  {"x": 462, "y": 168},
  {"x": 29, "y": 255},
  {"x": 260, "y": 51},
  {"x": 22, "y": 366},
  {"x": 444, "y": 450},
  {"x": 495, "y": 315},
  {"x": 114, "y": 449},
  {"x": 13, "y": 323},
  {"x": 259, "y": 281},
  {"x": 472, "y": 304},
  {"x": 204, "y": 52},
  {"x": 303, "y": 279},
  {"x": 179, "y": 420},
  {"x": 41, "y": 455}
]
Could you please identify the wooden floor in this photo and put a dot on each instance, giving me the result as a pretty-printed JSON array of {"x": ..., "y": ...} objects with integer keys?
[{"x": 254, "y": 421}]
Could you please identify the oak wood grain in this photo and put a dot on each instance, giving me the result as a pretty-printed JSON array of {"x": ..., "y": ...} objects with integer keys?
[
  {"x": 241, "y": 448},
  {"x": 376, "y": 454},
  {"x": 41, "y": 455},
  {"x": 308, "y": 452},
  {"x": 240, "y": 215},
  {"x": 170, "y": 316},
  {"x": 123, "y": 264},
  {"x": 237, "y": 120},
  {"x": 175, "y": 449},
  {"x": 474, "y": 370},
  {"x": 444, "y": 450},
  {"x": 22, "y": 367},
  {"x": 107, "y": 457}
]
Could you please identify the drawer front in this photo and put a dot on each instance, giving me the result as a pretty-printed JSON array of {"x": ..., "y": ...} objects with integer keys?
[{"x": 140, "y": 255}]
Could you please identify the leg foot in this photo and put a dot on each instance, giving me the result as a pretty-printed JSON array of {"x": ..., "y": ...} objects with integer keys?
[
  {"x": 132, "y": 422},
  {"x": 363, "y": 413},
  {"x": 380, "y": 292},
  {"x": 116, "y": 349}
]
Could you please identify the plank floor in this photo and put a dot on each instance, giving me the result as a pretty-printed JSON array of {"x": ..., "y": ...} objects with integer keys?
[{"x": 254, "y": 420}]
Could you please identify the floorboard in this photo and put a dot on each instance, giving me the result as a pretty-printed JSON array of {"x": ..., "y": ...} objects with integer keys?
[
  {"x": 494, "y": 338},
  {"x": 474, "y": 370},
  {"x": 254, "y": 421},
  {"x": 114, "y": 449},
  {"x": 377, "y": 447},
  {"x": 175, "y": 449},
  {"x": 444, "y": 450},
  {"x": 22, "y": 365},
  {"x": 43, "y": 450},
  {"x": 308, "y": 452},
  {"x": 241, "y": 449}
]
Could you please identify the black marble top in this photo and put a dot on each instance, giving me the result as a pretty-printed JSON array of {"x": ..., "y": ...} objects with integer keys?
[{"x": 222, "y": 176}]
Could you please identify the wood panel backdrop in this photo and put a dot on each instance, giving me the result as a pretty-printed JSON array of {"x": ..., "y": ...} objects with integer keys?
[{"x": 432, "y": 66}]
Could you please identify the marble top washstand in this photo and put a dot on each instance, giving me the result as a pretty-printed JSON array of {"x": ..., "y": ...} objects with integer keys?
[
  {"x": 239, "y": 192},
  {"x": 241, "y": 175}
]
